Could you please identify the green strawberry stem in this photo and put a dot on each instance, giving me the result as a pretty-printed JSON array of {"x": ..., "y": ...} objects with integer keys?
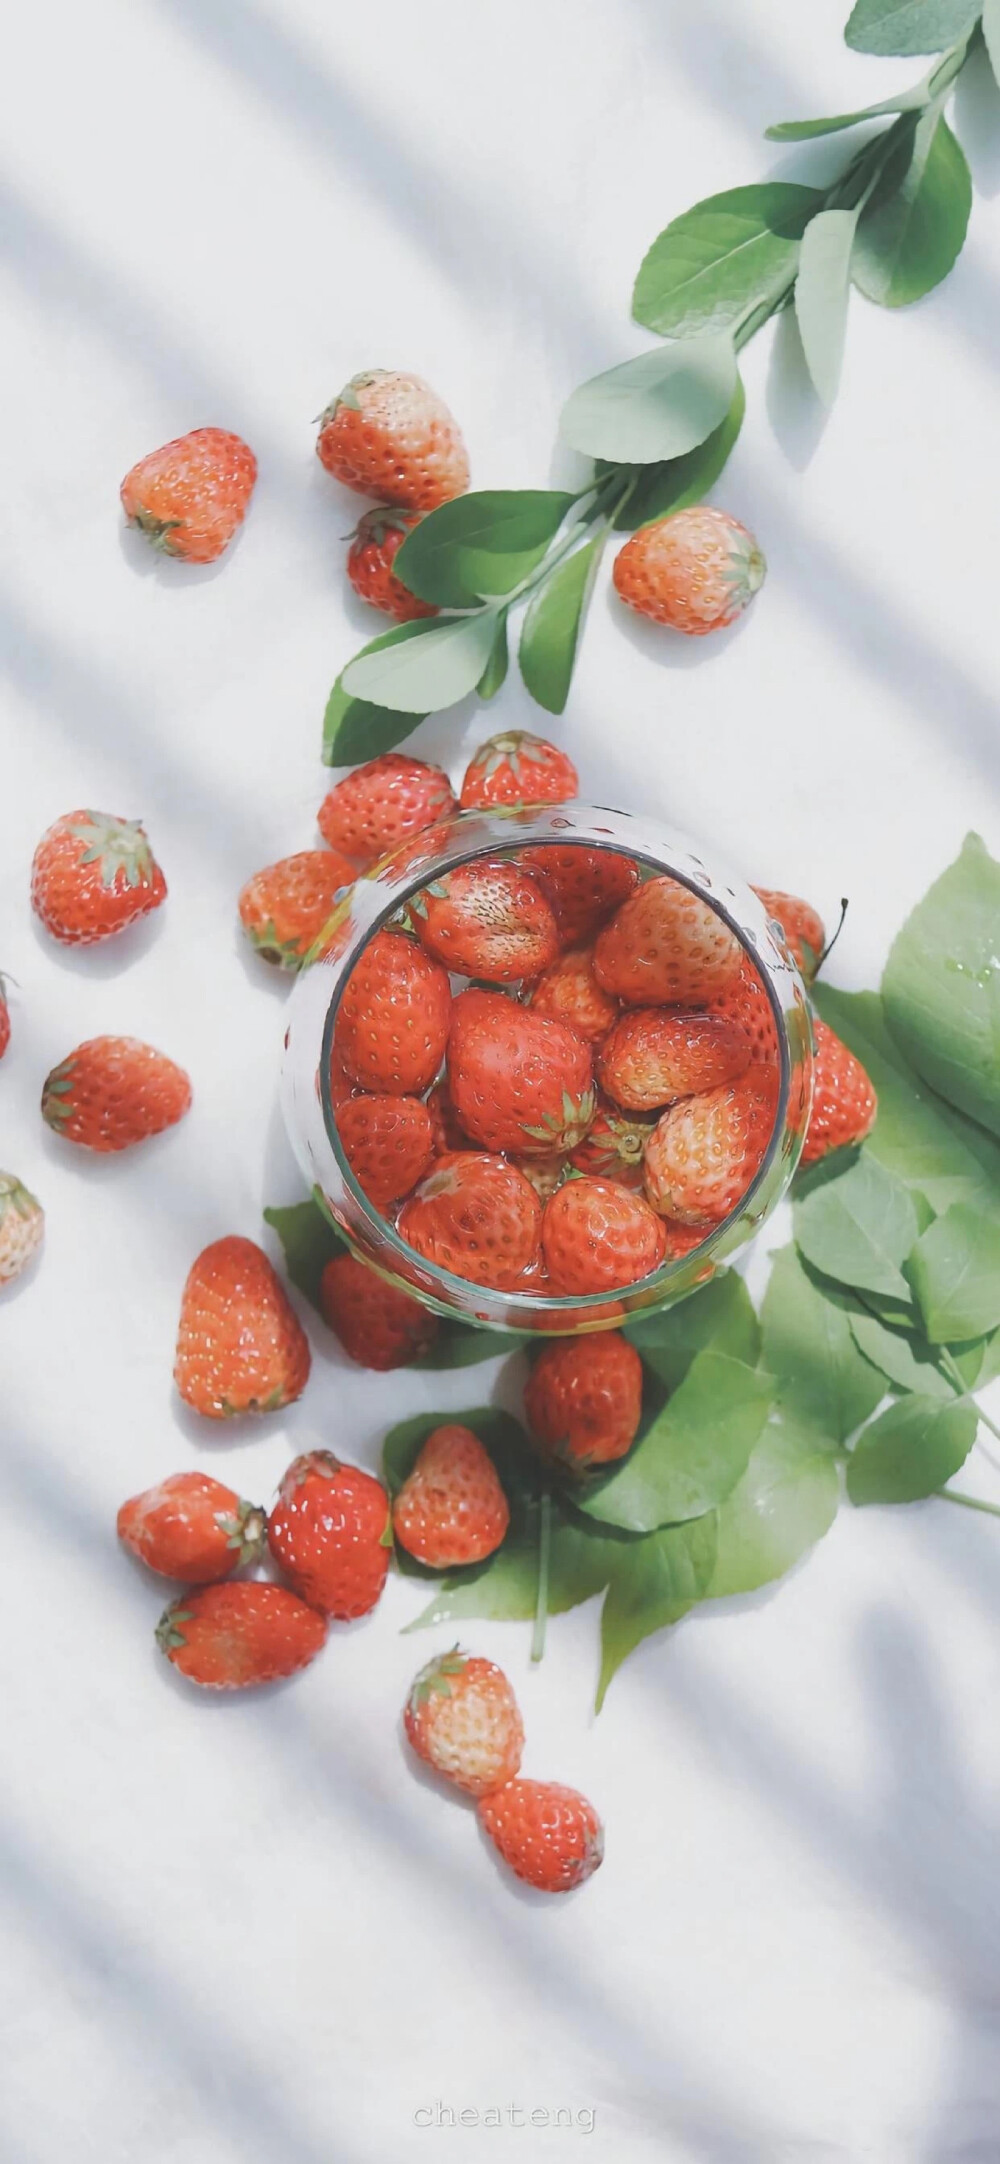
[
  {"x": 968, "y": 1502},
  {"x": 544, "y": 1551}
]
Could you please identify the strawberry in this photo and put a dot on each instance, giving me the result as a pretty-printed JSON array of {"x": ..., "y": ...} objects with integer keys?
[
  {"x": 329, "y": 1534},
  {"x": 844, "y": 1105},
  {"x": 191, "y": 1527},
  {"x": 284, "y": 908},
  {"x": 230, "y": 1636},
  {"x": 22, "y": 1227},
  {"x": 4, "y": 1017},
  {"x": 375, "y": 544},
  {"x": 388, "y": 1143},
  {"x": 378, "y": 1325},
  {"x": 392, "y": 1023},
  {"x": 240, "y": 1345},
  {"x": 568, "y": 992},
  {"x": 801, "y": 926},
  {"x": 666, "y": 946},
  {"x": 583, "y": 885},
  {"x": 697, "y": 570},
  {"x": 544, "y": 1174},
  {"x": 446, "y": 1131},
  {"x": 518, "y": 768},
  {"x": 746, "y": 1003},
  {"x": 113, "y": 1091},
  {"x": 548, "y": 1835},
  {"x": 517, "y": 1081},
  {"x": 487, "y": 920},
  {"x": 655, "y": 1055},
  {"x": 615, "y": 1146},
  {"x": 451, "y": 1509},
  {"x": 93, "y": 874},
  {"x": 475, "y": 1216},
  {"x": 462, "y": 1718},
  {"x": 683, "y": 1239},
  {"x": 597, "y": 1237},
  {"x": 706, "y": 1150},
  {"x": 583, "y": 1399},
  {"x": 383, "y": 803},
  {"x": 388, "y": 435},
  {"x": 191, "y": 496}
]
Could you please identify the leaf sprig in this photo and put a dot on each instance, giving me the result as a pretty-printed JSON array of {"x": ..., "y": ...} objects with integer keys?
[{"x": 660, "y": 427}]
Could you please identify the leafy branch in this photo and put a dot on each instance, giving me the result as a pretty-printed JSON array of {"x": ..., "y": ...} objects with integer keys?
[{"x": 660, "y": 427}]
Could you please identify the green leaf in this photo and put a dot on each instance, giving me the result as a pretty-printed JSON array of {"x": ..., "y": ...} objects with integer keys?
[
  {"x": 677, "y": 482},
  {"x": 909, "y": 26},
  {"x": 695, "y": 1451},
  {"x": 494, "y": 675},
  {"x": 461, "y": 1345},
  {"x": 355, "y": 729},
  {"x": 480, "y": 545},
  {"x": 657, "y": 406},
  {"x": 991, "y": 34},
  {"x": 719, "y": 1315},
  {"x": 904, "y": 1357},
  {"x": 941, "y": 987},
  {"x": 822, "y": 1378},
  {"x": 551, "y": 630},
  {"x": 505, "y": 1587},
  {"x": 805, "y": 131},
  {"x": 787, "y": 1499},
  {"x": 906, "y": 245},
  {"x": 657, "y": 1581},
  {"x": 955, "y": 1273},
  {"x": 821, "y": 295},
  {"x": 910, "y": 1451},
  {"x": 309, "y": 1242},
  {"x": 916, "y": 1135},
  {"x": 859, "y": 1227},
  {"x": 436, "y": 670},
  {"x": 730, "y": 253}
]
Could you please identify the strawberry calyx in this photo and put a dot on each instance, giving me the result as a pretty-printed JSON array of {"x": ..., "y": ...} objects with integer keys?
[
  {"x": 349, "y": 395},
  {"x": 15, "y": 1196},
  {"x": 311, "y": 1465},
  {"x": 245, "y": 1530},
  {"x": 157, "y": 531},
  {"x": 374, "y": 525},
  {"x": 167, "y": 1633},
  {"x": 567, "y": 1132},
  {"x": 435, "y": 1680},
  {"x": 117, "y": 845},
  {"x": 57, "y": 1094}
]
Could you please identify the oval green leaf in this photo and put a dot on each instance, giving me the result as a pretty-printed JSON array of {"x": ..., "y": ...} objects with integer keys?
[
  {"x": 991, "y": 34},
  {"x": 858, "y": 1226},
  {"x": 941, "y": 986},
  {"x": 728, "y": 254},
  {"x": 430, "y": 672},
  {"x": 719, "y": 1316},
  {"x": 550, "y": 634},
  {"x": 805, "y": 131},
  {"x": 906, "y": 245},
  {"x": 657, "y": 1581},
  {"x": 480, "y": 545},
  {"x": 787, "y": 1499},
  {"x": 309, "y": 1242},
  {"x": 494, "y": 675},
  {"x": 355, "y": 729},
  {"x": 822, "y": 288},
  {"x": 658, "y": 406},
  {"x": 903, "y": 1357},
  {"x": 822, "y": 1378},
  {"x": 910, "y": 1451},
  {"x": 676, "y": 482},
  {"x": 694, "y": 1452},
  {"x": 909, "y": 26},
  {"x": 955, "y": 1273},
  {"x": 916, "y": 1135}
]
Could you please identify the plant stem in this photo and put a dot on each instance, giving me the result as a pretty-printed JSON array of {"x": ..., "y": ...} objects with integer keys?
[
  {"x": 950, "y": 1369},
  {"x": 544, "y": 1549},
  {"x": 967, "y": 1502}
]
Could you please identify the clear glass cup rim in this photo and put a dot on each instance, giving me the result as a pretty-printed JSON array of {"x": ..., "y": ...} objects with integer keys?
[{"x": 556, "y": 832}]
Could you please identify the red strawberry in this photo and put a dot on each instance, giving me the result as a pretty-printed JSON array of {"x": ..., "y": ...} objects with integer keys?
[
  {"x": 462, "y": 1718},
  {"x": 706, "y": 1150},
  {"x": 746, "y": 1003},
  {"x": 22, "y": 1227},
  {"x": 583, "y": 1398},
  {"x": 376, "y": 542},
  {"x": 548, "y": 1835},
  {"x": 329, "y": 1534},
  {"x": 844, "y": 1105},
  {"x": 447, "y": 1133},
  {"x": 389, "y": 435},
  {"x": 383, "y": 803},
  {"x": 4, "y": 1017},
  {"x": 683, "y": 1239},
  {"x": 666, "y": 946},
  {"x": 517, "y": 1081},
  {"x": 518, "y": 768},
  {"x": 240, "y": 1345},
  {"x": 193, "y": 1528},
  {"x": 284, "y": 908},
  {"x": 388, "y": 1143},
  {"x": 232, "y": 1635},
  {"x": 451, "y": 1510},
  {"x": 378, "y": 1325},
  {"x": 583, "y": 885},
  {"x": 615, "y": 1146},
  {"x": 655, "y": 1055},
  {"x": 697, "y": 569},
  {"x": 597, "y": 1237},
  {"x": 475, "y": 1216},
  {"x": 487, "y": 920},
  {"x": 392, "y": 1025},
  {"x": 568, "y": 992},
  {"x": 190, "y": 497},
  {"x": 113, "y": 1091},
  {"x": 802, "y": 927},
  {"x": 93, "y": 874}
]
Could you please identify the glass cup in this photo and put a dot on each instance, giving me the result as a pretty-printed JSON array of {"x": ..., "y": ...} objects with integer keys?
[{"x": 375, "y": 900}]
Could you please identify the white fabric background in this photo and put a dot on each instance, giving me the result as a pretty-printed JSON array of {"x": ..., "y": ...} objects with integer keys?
[{"x": 244, "y": 1932}]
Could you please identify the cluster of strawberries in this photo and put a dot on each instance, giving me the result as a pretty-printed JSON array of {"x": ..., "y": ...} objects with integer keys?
[{"x": 330, "y": 1537}]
